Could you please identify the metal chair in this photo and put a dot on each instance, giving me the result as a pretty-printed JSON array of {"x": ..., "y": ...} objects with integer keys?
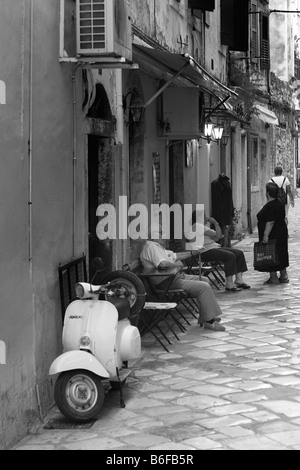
[{"x": 69, "y": 274}]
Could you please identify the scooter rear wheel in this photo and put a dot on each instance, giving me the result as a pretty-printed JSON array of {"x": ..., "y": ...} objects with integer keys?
[{"x": 79, "y": 395}]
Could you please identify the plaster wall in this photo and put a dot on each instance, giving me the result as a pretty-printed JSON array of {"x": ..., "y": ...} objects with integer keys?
[
  {"x": 264, "y": 136},
  {"x": 282, "y": 30},
  {"x": 36, "y": 205},
  {"x": 164, "y": 21},
  {"x": 215, "y": 53}
]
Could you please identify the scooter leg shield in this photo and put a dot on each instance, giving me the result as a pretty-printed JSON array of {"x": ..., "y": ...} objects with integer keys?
[{"x": 77, "y": 360}]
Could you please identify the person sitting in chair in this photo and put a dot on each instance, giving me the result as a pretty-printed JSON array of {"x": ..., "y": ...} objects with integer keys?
[
  {"x": 232, "y": 258},
  {"x": 154, "y": 255}
]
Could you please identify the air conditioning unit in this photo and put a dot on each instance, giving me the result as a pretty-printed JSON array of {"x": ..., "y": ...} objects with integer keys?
[{"x": 103, "y": 28}]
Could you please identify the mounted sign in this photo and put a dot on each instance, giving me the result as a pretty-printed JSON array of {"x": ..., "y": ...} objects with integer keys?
[
  {"x": 2, "y": 92},
  {"x": 2, "y": 353},
  {"x": 181, "y": 113}
]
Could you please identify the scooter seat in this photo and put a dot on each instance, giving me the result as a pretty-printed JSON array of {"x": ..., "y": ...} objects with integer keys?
[{"x": 122, "y": 305}]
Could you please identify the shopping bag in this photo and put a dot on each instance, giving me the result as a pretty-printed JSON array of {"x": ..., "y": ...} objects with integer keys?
[{"x": 265, "y": 256}]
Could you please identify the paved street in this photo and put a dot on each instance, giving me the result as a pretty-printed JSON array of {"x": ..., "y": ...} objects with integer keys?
[{"x": 232, "y": 390}]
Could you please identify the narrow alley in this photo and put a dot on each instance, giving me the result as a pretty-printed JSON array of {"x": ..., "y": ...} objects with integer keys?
[{"x": 232, "y": 390}]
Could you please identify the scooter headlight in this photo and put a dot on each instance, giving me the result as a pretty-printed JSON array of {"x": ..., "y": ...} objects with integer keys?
[
  {"x": 79, "y": 289},
  {"x": 85, "y": 341}
]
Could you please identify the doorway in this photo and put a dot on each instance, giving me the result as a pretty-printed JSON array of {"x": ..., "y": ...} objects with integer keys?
[
  {"x": 100, "y": 191},
  {"x": 176, "y": 186},
  {"x": 100, "y": 174}
]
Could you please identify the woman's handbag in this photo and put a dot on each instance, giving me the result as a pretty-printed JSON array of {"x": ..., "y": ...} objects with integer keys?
[{"x": 265, "y": 256}]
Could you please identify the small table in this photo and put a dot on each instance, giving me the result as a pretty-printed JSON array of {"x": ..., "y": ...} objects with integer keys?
[
  {"x": 162, "y": 307},
  {"x": 150, "y": 273},
  {"x": 166, "y": 293}
]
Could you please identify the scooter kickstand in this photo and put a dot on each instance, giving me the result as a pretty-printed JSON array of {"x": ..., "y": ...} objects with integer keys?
[{"x": 122, "y": 403}]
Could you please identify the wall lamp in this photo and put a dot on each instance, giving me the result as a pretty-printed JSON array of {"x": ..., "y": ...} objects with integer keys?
[
  {"x": 213, "y": 132},
  {"x": 225, "y": 139},
  {"x": 133, "y": 107},
  {"x": 208, "y": 130},
  {"x": 218, "y": 132}
]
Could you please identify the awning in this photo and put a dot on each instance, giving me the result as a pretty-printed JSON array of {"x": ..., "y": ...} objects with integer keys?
[
  {"x": 226, "y": 112},
  {"x": 266, "y": 115},
  {"x": 183, "y": 67}
]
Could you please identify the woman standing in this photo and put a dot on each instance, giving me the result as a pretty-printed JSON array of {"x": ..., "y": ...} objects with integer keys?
[{"x": 271, "y": 225}]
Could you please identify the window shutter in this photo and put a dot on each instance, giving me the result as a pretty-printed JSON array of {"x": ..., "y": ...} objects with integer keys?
[
  {"x": 227, "y": 23},
  {"x": 207, "y": 5},
  {"x": 254, "y": 44},
  {"x": 235, "y": 24},
  {"x": 265, "y": 45}
]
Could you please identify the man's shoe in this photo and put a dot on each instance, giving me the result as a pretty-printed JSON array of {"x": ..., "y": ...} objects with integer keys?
[
  {"x": 201, "y": 323},
  {"x": 215, "y": 326}
]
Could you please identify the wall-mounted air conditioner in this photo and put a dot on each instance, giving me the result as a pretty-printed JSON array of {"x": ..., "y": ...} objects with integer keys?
[{"x": 103, "y": 28}]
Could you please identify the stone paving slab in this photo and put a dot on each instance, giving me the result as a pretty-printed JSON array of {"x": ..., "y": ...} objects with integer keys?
[{"x": 235, "y": 390}]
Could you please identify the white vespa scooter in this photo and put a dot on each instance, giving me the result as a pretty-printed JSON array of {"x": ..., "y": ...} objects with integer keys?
[{"x": 98, "y": 339}]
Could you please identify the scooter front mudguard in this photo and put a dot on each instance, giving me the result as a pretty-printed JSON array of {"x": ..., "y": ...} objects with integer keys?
[{"x": 72, "y": 360}]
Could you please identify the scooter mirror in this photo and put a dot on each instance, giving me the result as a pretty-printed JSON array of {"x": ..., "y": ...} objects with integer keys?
[{"x": 98, "y": 264}]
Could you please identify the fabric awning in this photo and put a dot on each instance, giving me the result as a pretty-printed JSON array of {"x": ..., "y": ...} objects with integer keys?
[
  {"x": 266, "y": 115},
  {"x": 181, "y": 66}
]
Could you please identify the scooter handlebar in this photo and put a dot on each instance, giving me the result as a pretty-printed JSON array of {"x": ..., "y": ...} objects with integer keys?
[{"x": 84, "y": 289}]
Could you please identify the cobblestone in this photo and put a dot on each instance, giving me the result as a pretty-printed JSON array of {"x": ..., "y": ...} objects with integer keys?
[{"x": 232, "y": 390}]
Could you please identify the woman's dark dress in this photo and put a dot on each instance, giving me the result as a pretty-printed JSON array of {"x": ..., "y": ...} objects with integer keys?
[{"x": 274, "y": 210}]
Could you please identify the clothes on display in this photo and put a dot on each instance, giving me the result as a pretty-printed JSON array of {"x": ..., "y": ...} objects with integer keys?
[{"x": 221, "y": 198}]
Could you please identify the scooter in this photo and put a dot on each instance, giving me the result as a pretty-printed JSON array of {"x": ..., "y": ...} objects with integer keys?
[{"x": 98, "y": 341}]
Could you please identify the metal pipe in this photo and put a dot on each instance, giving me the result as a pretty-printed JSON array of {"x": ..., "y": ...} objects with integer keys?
[
  {"x": 30, "y": 136},
  {"x": 74, "y": 156}
]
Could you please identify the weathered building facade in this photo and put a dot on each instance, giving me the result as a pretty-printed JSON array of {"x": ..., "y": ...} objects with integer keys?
[{"x": 82, "y": 128}]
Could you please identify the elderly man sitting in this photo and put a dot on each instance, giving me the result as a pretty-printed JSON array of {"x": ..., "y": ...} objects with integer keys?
[{"x": 154, "y": 254}]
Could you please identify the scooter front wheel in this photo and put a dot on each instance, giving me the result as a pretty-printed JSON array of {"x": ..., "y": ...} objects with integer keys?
[{"x": 79, "y": 395}]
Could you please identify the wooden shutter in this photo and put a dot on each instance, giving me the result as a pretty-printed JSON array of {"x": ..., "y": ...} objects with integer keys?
[
  {"x": 264, "y": 44},
  {"x": 227, "y": 23},
  {"x": 254, "y": 39}
]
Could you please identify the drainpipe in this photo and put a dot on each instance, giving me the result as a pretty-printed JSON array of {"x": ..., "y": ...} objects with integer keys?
[
  {"x": 74, "y": 154},
  {"x": 30, "y": 132},
  {"x": 30, "y": 140}
]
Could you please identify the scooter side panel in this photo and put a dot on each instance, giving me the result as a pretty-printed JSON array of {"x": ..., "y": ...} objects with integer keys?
[
  {"x": 76, "y": 317},
  {"x": 72, "y": 360},
  {"x": 103, "y": 324}
]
